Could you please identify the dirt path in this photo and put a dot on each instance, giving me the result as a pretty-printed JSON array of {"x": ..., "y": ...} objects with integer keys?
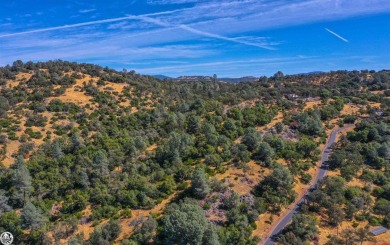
[{"x": 286, "y": 217}]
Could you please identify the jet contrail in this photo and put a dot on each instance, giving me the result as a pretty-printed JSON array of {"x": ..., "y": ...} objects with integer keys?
[
  {"x": 146, "y": 18},
  {"x": 199, "y": 32},
  {"x": 337, "y": 35},
  {"x": 216, "y": 36},
  {"x": 89, "y": 23}
]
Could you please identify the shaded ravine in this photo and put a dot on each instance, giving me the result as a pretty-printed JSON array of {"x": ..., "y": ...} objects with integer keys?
[{"x": 322, "y": 170}]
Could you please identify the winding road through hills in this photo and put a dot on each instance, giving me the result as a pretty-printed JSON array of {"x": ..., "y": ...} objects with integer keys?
[{"x": 323, "y": 168}]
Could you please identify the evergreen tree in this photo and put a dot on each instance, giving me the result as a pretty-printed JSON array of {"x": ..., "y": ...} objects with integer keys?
[
  {"x": 363, "y": 235},
  {"x": 76, "y": 141},
  {"x": 21, "y": 182},
  {"x": 384, "y": 150},
  {"x": 106, "y": 234},
  {"x": 96, "y": 237},
  {"x": 336, "y": 215},
  {"x": 186, "y": 224},
  {"x": 349, "y": 236},
  {"x": 200, "y": 185},
  {"x": 289, "y": 239},
  {"x": 210, "y": 236},
  {"x": 32, "y": 217},
  {"x": 4, "y": 207},
  {"x": 277, "y": 188},
  {"x": 264, "y": 153},
  {"x": 304, "y": 227},
  {"x": 145, "y": 233},
  {"x": 100, "y": 162},
  {"x": 57, "y": 151},
  {"x": 335, "y": 240},
  {"x": 251, "y": 139}
]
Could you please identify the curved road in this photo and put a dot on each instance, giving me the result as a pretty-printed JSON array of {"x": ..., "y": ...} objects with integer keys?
[{"x": 321, "y": 174}]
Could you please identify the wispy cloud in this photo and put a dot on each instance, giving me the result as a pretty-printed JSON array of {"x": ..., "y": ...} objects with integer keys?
[
  {"x": 337, "y": 35},
  {"x": 233, "y": 16},
  {"x": 101, "y": 50},
  {"x": 5, "y": 24},
  {"x": 88, "y": 23},
  {"x": 64, "y": 27},
  {"x": 147, "y": 18},
  {"x": 165, "y": 2},
  {"x": 205, "y": 33},
  {"x": 84, "y": 11},
  {"x": 258, "y": 67},
  {"x": 225, "y": 63}
]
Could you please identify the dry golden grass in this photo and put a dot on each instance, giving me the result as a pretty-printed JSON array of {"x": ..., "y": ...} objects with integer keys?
[
  {"x": 277, "y": 119},
  {"x": 344, "y": 133},
  {"x": 242, "y": 182},
  {"x": 375, "y": 105},
  {"x": 114, "y": 87},
  {"x": 353, "y": 182},
  {"x": 134, "y": 109},
  {"x": 326, "y": 231},
  {"x": 282, "y": 161},
  {"x": 383, "y": 239},
  {"x": 126, "y": 103},
  {"x": 23, "y": 76},
  {"x": 85, "y": 229},
  {"x": 125, "y": 223},
  {"x": 265, "y": 223},
  {"x": 73, "y": 96},
  {"x": 127, "y": 229},
  {"x": 238, "y": 140},
  {"x": 151, "y": 148},
  {"x": 378, "y": 92},
  {"x": 350, "y": 109},
  {"x": 242, "y": 105},
  {"x": 12, "y": 147},
  {"x": 312, "y": 104}
]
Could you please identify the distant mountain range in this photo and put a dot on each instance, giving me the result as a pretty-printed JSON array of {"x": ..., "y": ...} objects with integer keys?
[
  {"x": 224, "y": 79},
  {"x": 207, "y": 78},
  {"x": 239, "y": 80},
  {"x": 162, "y": 77}
]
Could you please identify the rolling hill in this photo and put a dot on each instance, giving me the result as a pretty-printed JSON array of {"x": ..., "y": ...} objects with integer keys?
[{"x": 90, "y": 155}]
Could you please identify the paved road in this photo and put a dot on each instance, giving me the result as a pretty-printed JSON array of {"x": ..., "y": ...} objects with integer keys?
[{"x": 321, "y": 174}]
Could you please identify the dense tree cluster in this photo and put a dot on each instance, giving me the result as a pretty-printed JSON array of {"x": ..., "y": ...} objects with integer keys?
[{"x": 131, "y": 149}]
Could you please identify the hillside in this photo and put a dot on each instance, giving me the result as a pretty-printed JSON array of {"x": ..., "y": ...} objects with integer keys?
[{"x": 90, "y": 155}]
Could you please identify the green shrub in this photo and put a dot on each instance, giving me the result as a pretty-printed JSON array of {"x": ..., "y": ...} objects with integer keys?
[
  {"x": 305, "y": 178},
  {"x": 374, "y": 221}
]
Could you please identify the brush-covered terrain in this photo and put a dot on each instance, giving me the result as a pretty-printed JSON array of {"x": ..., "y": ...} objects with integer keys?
[{"x": 90, "y": 155}]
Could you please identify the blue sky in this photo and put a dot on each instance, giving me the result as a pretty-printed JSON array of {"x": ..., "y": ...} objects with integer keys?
[{"x": 198, "y": 37}]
